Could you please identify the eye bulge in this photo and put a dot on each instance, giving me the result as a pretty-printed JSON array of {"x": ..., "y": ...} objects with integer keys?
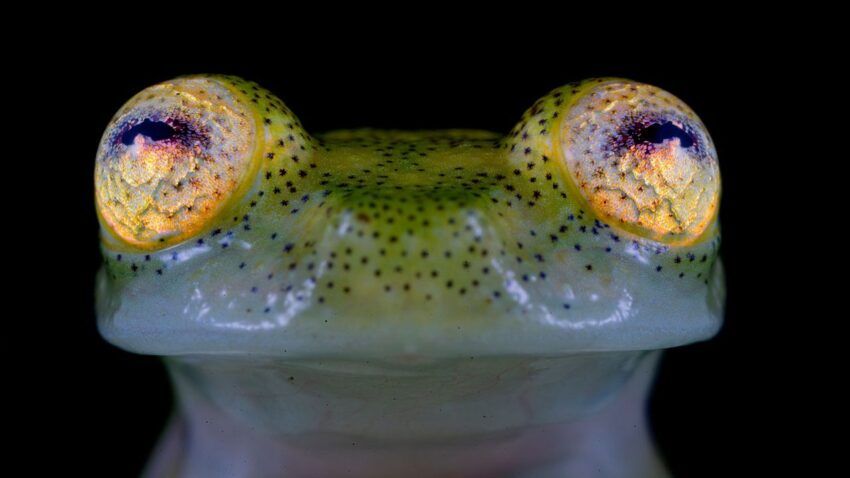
[
  {"x": 182, "y": 153},
  {"x": 173, "y": 157},
  {"x": 642, "y": 160}
]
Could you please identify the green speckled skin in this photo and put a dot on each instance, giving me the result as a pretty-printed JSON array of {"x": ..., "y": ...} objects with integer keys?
[
  {"x": 390, "y": 232},
  {"x": 357, "y": 258}
]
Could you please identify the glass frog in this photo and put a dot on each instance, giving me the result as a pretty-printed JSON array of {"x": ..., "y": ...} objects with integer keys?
[{"x": 407, "y": 303}]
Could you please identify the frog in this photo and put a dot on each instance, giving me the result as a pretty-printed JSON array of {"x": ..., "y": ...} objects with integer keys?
[{"x": 373, "y": 302}]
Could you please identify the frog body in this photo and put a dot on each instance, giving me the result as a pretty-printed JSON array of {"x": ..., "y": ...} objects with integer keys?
[{"x": 232, "y": 238}]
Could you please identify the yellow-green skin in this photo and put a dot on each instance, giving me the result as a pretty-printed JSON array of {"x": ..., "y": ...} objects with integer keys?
[
  {"x": 368, "y": 242},
  {"x": 391, "y": 303}
]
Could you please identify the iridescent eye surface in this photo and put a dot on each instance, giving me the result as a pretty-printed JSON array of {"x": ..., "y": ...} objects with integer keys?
[
  {"x": 642, "y": 160},
  {"x": 172, "y": 158}
]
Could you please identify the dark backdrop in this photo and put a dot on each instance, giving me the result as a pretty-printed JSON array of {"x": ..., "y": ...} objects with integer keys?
[{"x": 704, "y": 408}]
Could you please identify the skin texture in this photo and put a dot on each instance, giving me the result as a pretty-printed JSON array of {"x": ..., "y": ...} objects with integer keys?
[{"x": 228, "y": 230}]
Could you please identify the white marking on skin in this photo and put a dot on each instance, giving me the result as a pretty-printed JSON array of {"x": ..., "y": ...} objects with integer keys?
[
  {"x": 183, "y": 256},
  {"x": 344, "y": 223},
  {"x": 264, "y": 325},
  {"x": 197, "y": 296},
  {"x": 635, "y": 251},
  {"x": 624, "y": 305},
  {"x": 473, "y": 223},
  {"x": 205, "y": 309},
  {"x": 515, "y": 290},
  {"x": 620, "y": 314},
  {"x": 548, "y": 317},
  {"x": 197, "y": 302},
  {"x": 234, "y": 325},
  {"x": 291, "y": 305}
]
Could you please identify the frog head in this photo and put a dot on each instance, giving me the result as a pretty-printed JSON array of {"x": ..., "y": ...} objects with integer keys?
[{"x": 588, "y": 230}]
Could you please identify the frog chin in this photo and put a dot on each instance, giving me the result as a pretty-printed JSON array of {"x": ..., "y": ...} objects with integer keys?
[
  {"x": 480, "y": 415},
  {"x": 399, "y": 400}
]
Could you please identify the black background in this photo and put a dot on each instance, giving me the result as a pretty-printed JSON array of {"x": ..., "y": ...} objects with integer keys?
[{"x": 706, "y": 408}]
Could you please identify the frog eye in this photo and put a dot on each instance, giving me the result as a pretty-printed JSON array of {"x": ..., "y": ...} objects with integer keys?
[
  {"x": 641, "y": 160},
  {"x": 174, "y": 156}
]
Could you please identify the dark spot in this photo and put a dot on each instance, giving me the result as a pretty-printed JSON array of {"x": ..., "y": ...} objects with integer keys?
[
  {"x": 155, "y": 130},
  {"x": 657, "y": 133}
]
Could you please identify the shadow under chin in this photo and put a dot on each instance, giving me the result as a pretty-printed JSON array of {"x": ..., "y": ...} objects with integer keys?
[{"x": 470, "y": 399}]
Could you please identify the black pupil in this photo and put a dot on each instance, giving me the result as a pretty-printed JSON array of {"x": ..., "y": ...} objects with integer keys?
[
  {"x": 155, "y": 130},
  {"x": 659, "y": 132}
]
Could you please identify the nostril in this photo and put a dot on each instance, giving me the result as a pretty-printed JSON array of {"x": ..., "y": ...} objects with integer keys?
[
  {"x": 657, "y": 133},
  {"x": 155, "y": 130}
]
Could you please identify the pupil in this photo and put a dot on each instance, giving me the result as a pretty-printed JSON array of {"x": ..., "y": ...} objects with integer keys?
[
  {"x": 155, "y": 130},
  {"x": 657, "y": 133}
]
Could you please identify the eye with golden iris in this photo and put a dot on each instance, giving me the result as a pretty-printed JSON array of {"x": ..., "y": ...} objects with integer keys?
[
  {"x": 642, "y": 160},
  {"x": 171, "y": 160}
]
